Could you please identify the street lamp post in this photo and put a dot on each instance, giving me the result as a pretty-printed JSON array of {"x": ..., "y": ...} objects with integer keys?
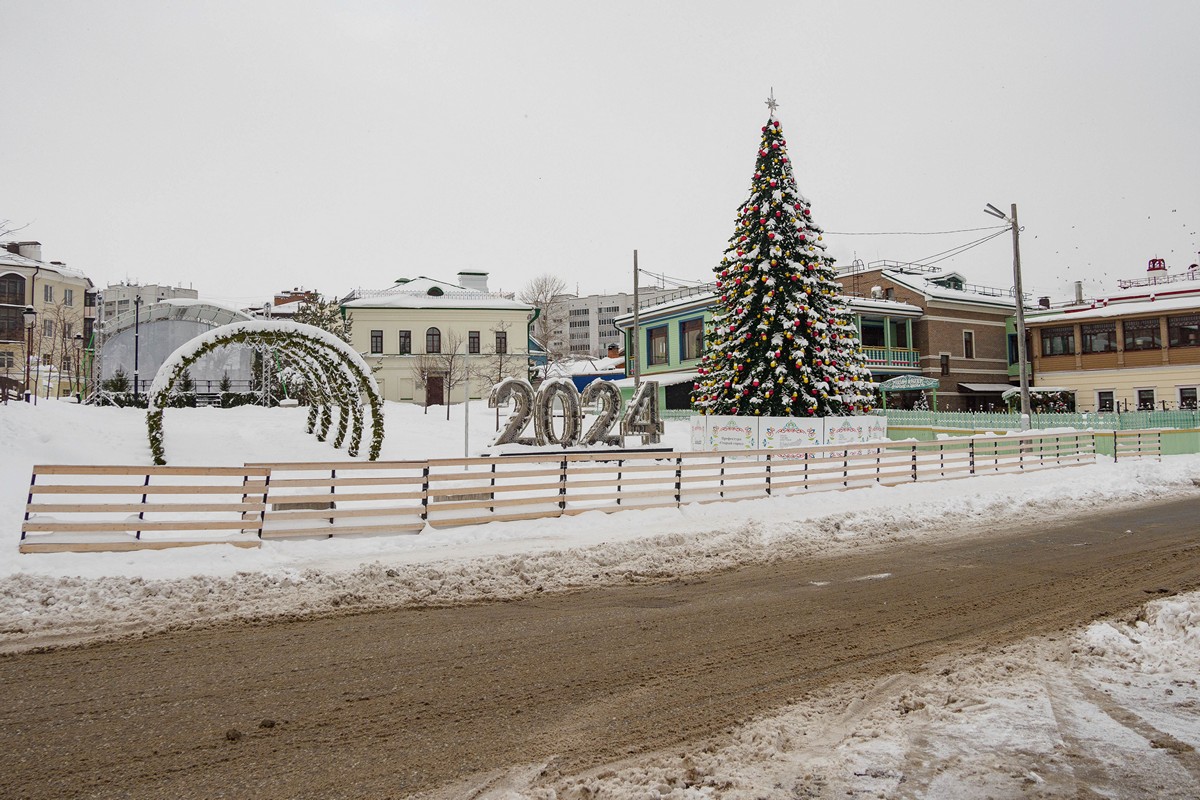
[
  {"x": 78, "y": 367},
  {"x": 1022, "y": 362},
  {"x": 137, "y": 318},
  {"x": 30, "y": 317}
]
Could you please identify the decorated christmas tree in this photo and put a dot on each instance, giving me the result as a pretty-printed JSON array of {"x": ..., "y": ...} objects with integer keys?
[{"x": 782, "y": 341}]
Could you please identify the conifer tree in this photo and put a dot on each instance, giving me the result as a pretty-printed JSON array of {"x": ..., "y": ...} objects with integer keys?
[{"x": 782, "y": 342}]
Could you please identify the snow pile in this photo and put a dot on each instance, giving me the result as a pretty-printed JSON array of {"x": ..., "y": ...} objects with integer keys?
[{"x": 1164, "y": 638}]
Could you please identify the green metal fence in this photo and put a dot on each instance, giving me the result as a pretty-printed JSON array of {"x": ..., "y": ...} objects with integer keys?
[{"x": 1107, "y": 421}]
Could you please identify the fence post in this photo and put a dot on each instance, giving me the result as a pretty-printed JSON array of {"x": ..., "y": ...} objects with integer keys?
[
  {"x": 620, "y": 463},
  {"x": 1114, "y": 447},
  {"x": 332, "y": 478},
  {"x": 971, "y": 456},
  {"x": 262, "y": 515},
  {"x": 679, "y": 480},
  {"x": 914, "y": 462},
  {"x": 562, "y": 484},
  {"x": 768, "y": 474},
  {"x": 425, "y": 492},
  {"x": 29, "y": 499},
  {"x": 142, "y": 514}
]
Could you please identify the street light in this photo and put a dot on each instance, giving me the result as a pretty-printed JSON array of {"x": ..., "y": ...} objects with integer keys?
[
  {"x": 78, "y": 367},
  {"x": 30, "y": 317},
  {"x": 137, "y": 319},
  {"x": 1022, "y": 367}
]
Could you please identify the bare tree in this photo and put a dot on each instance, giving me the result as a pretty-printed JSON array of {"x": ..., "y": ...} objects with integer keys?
[
  {"x": 500, "y": 363},
  {"x": 451, "y": 365},
  {"x": 547, "y": 293}
]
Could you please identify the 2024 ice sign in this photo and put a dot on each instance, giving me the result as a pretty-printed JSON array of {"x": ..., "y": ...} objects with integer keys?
[{"x": 641, "y": 416}]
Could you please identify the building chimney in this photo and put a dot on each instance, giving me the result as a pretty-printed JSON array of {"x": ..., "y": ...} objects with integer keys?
[
  {"x": 1044, "y": 302},
  {"x": 1078, "y": 293},
  {"x": 614, "y": 351},
  {"x": 476, "y": 281},
  {"x": 27, "y": 249}
]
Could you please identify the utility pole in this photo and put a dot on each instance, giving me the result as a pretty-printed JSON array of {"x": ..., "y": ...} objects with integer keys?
[
  {"x": 1022, "y": 361},
  {"x": 637, "y": 367}
]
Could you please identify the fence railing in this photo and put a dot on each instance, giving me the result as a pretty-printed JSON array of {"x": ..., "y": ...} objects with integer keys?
[
  {"x": 321, "y": 499},
  {"x": 1094, "y": 420}
]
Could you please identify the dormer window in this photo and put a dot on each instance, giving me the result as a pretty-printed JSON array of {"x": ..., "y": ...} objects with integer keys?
[{"x": 435, "y": 291}]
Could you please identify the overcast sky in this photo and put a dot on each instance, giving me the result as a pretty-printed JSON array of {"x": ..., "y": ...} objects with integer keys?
[{"x": 248, "y": 147}]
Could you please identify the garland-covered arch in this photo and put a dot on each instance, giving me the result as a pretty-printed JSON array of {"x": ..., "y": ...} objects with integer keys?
[{"x": 336, "y": 376}]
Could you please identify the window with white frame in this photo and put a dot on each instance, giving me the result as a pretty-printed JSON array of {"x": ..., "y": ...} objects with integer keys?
[
  {"x": 1187, "y": 397},
  {"x": 1145, "y": 399},
  {"x": 48, "y": 293},
  {"x": 68, "y": 297}
]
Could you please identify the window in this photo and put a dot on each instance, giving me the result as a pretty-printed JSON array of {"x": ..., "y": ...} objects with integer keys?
[
  {"x": 12, "y": 290},
  {"x": 1104, "y": 400},
  {"x": 1187, "y": 397},
  {"x": 48, "y": 328},
  {"x": 376, "y": 341},
  {"x": 1014, "y": 352},
  {"x": 1142, "y": 334},
  {"x": 8, "y": 361},
  {"x": 405, "y": 343},
  {"x": 473, "y": 342},
  {"x": 945, "y": 362},
  {"x": 889, "y": 293},
  {"x": 1145, "y": 399},
  {"x": 1058, "y": 341},
  {"x": 68, "y": 297},
  {"x": 68, "y": 330},
  {"x": 12, "y": 324},
  {"x": 433, "y": 341},
  {"x": 1184, "y": 331},
  {"x": 656, "y": 352},
  {"x": 501, "y": 341},
  {"x": 48, "y": 293},
  {"x": 871, "y": 333},
  {"x": 691, "y": 335},
  {"x": 1099, "y": 337},
  {"x": 968, "y": 344},
  {"x": 899, "y": 333}
]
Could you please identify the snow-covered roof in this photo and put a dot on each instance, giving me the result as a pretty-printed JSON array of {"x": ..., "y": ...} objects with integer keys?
[
  {"x": 177, "y": 308},
  {"x": 706, "y": 299},
  {"x": 1118, "y": 307},
  {"x": 8, "y": 259},
  {"x": 430, "y": 293},
  {"x": 931, "y": 289}
]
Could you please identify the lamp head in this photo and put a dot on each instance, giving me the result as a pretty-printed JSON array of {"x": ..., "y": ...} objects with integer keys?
[
  {"x": 30, "y": 315},
  {"x": 995, "y": 212}
]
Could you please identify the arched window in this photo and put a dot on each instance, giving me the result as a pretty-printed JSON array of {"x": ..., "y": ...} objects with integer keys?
[
  {"x": 433, "y": 341},
  {"x": 12, "y": 289}
]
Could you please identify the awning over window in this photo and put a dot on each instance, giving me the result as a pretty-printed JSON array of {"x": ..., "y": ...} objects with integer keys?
[{"x": 985, "y": 388}]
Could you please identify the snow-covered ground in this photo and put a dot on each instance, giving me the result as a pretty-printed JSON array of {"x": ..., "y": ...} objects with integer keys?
[{"x": 1114, "y": 708}]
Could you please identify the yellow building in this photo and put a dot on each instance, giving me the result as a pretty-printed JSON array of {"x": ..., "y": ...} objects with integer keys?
[
  {"x": 1139, "y": 350},
  {"x": 429, "y": 340},
  {"x": 60, "y": 328}
]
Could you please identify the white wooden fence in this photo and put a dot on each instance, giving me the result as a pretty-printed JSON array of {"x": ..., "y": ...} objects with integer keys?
[{"x": 73, "y": 508}]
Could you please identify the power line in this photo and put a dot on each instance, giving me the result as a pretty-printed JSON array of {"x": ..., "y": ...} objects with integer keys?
[
  {"x": 916, "y": 233},
  {"x": 954, "y": 251}
]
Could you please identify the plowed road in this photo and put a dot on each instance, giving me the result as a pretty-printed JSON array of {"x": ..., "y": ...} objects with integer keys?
[{"x": 387, "y": 703}]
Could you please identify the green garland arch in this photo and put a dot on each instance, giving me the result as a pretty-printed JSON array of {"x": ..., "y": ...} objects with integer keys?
[{"x": 336, "y": 375}]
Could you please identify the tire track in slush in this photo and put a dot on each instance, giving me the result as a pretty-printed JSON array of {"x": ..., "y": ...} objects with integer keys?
[{"x": 387, "y": 703}]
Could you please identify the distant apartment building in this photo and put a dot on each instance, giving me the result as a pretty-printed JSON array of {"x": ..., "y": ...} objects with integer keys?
[
  {"x": 119, "y": 298},
  {"x": 590, "y": 319}
]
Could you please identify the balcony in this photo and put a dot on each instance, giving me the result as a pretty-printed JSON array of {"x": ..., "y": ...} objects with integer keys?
[{"x": 891, "y": 357}]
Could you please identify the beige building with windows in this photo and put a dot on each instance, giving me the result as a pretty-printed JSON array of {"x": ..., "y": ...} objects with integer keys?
[
  {"x": 1139, "y": 350},
  {"x": 63, "y": 302},
  {"x": 430, "y": 340}
]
